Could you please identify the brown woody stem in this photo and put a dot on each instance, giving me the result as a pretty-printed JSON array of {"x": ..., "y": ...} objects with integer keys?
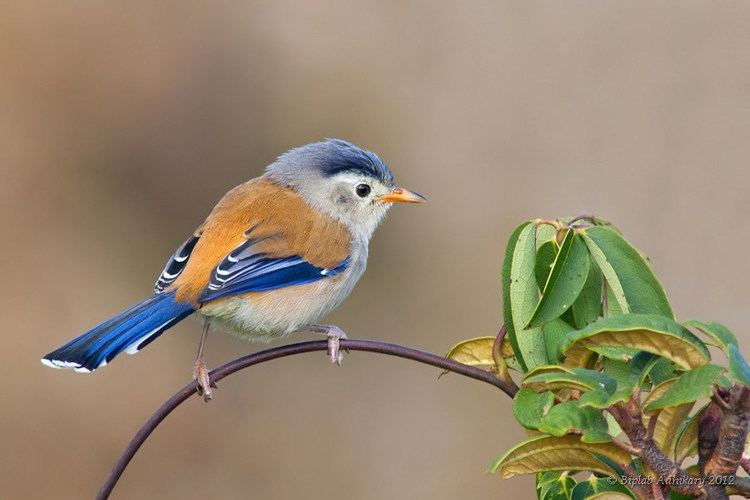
[
  {"x": 726, "y": 456},
  {"x": 280, "y": 352},
  {"x": 629, "y": 417}
]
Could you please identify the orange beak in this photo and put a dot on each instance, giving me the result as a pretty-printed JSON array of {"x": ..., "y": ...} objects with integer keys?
[{"x": 401, "y": 195}]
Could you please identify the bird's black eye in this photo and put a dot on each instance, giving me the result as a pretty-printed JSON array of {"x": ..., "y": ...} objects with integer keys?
[{"x": 362, "y": 190}]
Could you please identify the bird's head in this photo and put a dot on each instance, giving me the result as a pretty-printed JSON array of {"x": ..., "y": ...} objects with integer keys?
[{"x": 348, "y": 183}]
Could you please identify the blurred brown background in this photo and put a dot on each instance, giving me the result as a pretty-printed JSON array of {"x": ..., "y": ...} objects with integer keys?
[{"x": 123, "y": 122}]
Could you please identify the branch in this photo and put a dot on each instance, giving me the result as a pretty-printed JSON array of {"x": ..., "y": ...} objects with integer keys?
[
  {"x": 280, "y": 352},
  {"x": 732, "y": 434},
  {"x": 708, "y": 433},
  {"x": 628, "y": 416}
]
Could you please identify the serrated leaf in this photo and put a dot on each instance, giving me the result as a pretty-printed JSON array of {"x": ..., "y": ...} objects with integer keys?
[
  {"x": 633, "y": 283},
  {"x": 570, "y": 417},
  {"x": 687, "y": 388},
  {"x": 596, "y": 487},
  {"x": 644, "y": 332},
  {"x": 530, "y": 407},
  {"x": 473, "y": 352},
  {"x": 547, "y": 453},
  {"x": 565, "y": 282},
  {"x": 687, "y": 437},
  {"x": 523, "y": 298}
]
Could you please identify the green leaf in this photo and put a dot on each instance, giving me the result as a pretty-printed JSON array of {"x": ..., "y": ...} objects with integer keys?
[
  {"x": 601, "y": 398},
  {"x": 544, "y": 233},
  {"x": 689, "y": 387},
  {"x": 548, "y": 453},
  {"x": 594, "y": 486},
  {"x": 687, "y": 437},
  {"x": 618, "y": 370},
  {"x": 629, "y": 376},
  {"x": 546, "y": 482},
  {"x": 618, "y": 353},
  {"x": 612, "y": 306},
  {"x": 633, "y": 283},
  {"x": 560, "y": 490},
  {"x": 641, "y": 366},
  {"x": 523, "y": 298},
  {"x": 545, "y": 257},
  {"x": 530, "y": 407},
  {"x": 505, "y": 278},
  {"x": 644, "y": 332},
  {"x": 588, "y": 306},
  {"x": 581, "y": 379},
  {"x": 554, "y": 485},
  {"x": 656, "y": 392},
  {"x": 662, "y": 371},
  {"x": 565, "y": 282},
  {"x": 721, "y": 336},
  {"x": 738, "y": 366},
  {"x": 668, "y": 424},
  {"x": 570, "y": 417},
  {"x": 555, "y": 333}
]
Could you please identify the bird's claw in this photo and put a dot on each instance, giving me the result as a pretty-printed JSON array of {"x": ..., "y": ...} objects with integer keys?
[
  {"x": 334, "y": 345},
  {"x": 200, "y": 374}
]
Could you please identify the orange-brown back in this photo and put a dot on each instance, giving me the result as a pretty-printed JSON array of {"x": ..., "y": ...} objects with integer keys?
[{"x": 271, "y": 210}]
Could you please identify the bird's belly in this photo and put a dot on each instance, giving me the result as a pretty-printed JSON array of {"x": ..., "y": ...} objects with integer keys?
[{"x": 263, "y": 316}]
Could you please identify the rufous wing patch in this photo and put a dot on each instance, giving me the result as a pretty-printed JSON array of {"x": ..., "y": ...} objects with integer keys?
[{"x": 262, "y": 209}]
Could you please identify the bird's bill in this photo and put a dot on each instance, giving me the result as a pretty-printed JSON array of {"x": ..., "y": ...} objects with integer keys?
[{"x": 401, "y": 195}]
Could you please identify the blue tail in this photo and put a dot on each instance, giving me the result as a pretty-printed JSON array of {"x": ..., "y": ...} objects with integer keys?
[{"x": 129, "y": 331}]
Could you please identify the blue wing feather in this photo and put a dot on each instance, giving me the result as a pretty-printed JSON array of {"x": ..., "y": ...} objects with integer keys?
[{"x": 246, "y": 269}]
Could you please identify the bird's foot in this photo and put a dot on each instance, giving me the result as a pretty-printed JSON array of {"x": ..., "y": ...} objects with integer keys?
[
  {"x": 334, "y": 335},
  {"x": 200, "y": 375}
]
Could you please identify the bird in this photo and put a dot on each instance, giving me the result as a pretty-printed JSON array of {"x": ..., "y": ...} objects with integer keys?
[{"x": 274, "y": 256}]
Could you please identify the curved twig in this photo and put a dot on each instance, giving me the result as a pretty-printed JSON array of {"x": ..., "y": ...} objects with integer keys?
[{"x": 280, "y": 352}]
